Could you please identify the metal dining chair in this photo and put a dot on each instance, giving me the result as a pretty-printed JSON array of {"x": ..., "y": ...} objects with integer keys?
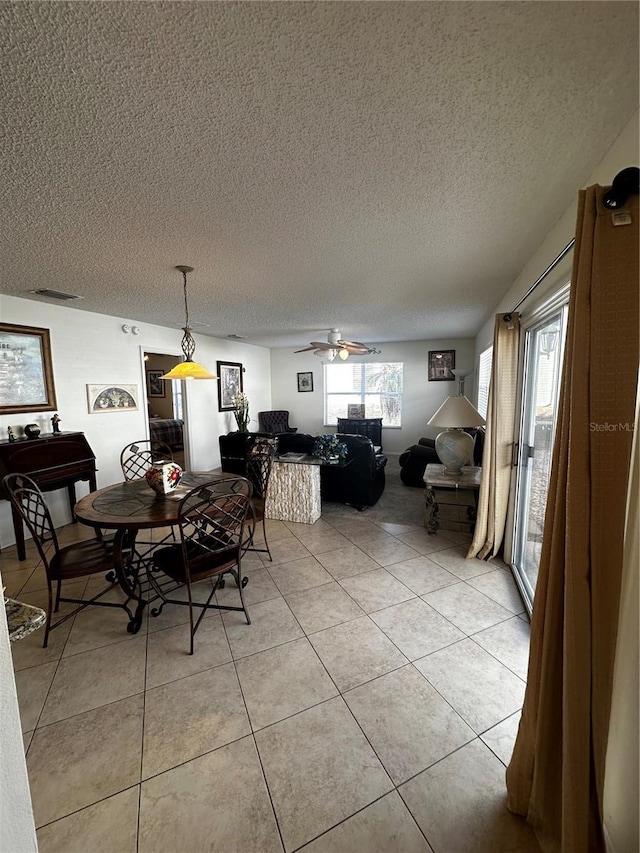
[
  {"x": 211, "y": 520},
  {"x": 137, "y": 457},
  {"x": 259, "y": 462},
  {"x": 89, "y": 557},
  {"x": 135, "y": 460}
]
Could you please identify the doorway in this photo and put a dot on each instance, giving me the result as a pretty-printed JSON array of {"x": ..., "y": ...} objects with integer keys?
[
  {"x": 165, "y": 404},
  {"x": 543, "y": 356}
]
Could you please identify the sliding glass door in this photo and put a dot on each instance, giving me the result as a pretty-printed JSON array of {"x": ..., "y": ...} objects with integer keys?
[{"x": 544, "y": 348}]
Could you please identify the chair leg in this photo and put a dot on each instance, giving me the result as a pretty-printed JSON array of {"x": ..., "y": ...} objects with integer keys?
[
  {"x": 58, "y": 591},
  {"x": 240, "y": 587},
  {"x": 190, "y": 616},
  {"x": 264, "y": 533},
  {"x": 49, "y": 613}
]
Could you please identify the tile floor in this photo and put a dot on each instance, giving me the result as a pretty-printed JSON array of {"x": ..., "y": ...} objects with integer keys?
[{"x": 371, "y": 705}]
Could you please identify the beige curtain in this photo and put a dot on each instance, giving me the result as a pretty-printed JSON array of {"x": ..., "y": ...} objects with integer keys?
[
  {"x": 621, "y": 788},
  {"x": 555, "y": 777},
  {"x": 493, "y": 499}
]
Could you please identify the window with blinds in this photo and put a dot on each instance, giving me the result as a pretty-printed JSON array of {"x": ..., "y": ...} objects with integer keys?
[{"x": 377, "y": 385}]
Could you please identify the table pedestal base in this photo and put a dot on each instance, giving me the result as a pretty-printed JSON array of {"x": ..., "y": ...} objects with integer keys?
[{"x": 294, "y": 492}]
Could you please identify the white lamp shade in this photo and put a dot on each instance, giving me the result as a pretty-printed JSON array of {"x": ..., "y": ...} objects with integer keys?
[{"x": 457, "y": 412}]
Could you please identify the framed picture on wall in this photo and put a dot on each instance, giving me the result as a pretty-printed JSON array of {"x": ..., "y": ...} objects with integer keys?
[
  {"x": 103, "y": 399},
  {"x": 305, "y": 381},
  {"x": 155, "y": 385},
  {"x": 26, "y": 377},
  {"x": 229, "y": 384},
  {"x": 441, "y": 363}
]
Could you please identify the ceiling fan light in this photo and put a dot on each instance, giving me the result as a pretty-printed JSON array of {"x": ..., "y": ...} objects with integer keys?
[
  {"x": 331, "y": 354},
  {"x": 344, "y": 354}
]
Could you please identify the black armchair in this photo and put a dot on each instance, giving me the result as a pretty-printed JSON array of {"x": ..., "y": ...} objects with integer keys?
[
  {"x": 275, "y": 422},
  {"x": 361, "y": 481}
]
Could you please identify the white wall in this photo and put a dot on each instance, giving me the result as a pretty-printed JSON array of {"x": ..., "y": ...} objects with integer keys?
[
  {"x": 420, "y": 399},
  {"x": 623, "y": 153},
  {"x": 91, "y": 348},
  {"x": 17, "y": 828}
]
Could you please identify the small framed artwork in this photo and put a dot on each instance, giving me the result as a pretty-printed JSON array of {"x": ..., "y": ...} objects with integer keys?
[
  {"x": 26, "y": 374},
  {"x": 441, "y": 363},
  {"x": 155, "y": 384},
  {"x": 355, "y": 410},
  {"x": 229, "y": 384},
  {"x": 112, "y": 398},
  {"x": 305, "y": 381}
]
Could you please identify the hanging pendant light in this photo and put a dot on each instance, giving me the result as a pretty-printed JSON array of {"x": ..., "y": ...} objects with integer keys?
[{"x": 187, "y": 369}]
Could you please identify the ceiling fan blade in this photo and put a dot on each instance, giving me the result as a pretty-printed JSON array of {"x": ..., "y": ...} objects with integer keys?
[
  {"x": 354, "y": 347},
  {"x": 355, "y": 344}
]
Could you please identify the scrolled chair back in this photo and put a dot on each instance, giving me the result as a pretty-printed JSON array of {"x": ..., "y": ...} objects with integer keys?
[
  {"x": 137, "y": 457},
  {"x": 26, "y": 497},
  {"x": 211, "y": 519},
  {"x": 259, "y": 463}
]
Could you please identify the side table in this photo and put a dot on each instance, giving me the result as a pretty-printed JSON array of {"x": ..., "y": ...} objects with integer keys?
[{"x": 451, "y": 499}]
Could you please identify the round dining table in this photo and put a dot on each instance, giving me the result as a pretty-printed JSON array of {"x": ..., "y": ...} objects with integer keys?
[{"x": 127, "y": 508}]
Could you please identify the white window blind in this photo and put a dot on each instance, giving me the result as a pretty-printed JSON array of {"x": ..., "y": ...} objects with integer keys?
[
  {"x": 376, "y": 384},
  {"x": 484, "y": 377}
]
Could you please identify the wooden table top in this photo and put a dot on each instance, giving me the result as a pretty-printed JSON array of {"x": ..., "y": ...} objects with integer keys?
[{"x": 134, "y": 504}]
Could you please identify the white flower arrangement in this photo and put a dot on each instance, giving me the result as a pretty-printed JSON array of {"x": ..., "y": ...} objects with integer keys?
[{"x": 241, "y": 411}]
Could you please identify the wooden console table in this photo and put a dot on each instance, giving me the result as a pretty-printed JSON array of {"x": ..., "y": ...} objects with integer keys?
[
  {"x": 451, "y": 499},
  {"x": 54, "y": 462}
]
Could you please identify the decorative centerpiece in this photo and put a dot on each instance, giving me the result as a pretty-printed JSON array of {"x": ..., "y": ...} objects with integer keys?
[
  {"x": 163, "y": 477},
  {"x": 241, "y": 411},
  {"x": 329, "y": 449}
]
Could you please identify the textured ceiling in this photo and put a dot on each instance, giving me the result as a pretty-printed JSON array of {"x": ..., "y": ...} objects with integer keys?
[{"x": 387, "y": 168}]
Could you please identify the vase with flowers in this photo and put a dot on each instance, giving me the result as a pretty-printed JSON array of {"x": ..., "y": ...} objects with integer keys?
[
  {"x": 241, "y": 411},
  {"x": 329, "y": 448}
]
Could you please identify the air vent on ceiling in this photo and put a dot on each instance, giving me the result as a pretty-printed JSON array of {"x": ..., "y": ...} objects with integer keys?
[
  {"x": 237, "y": 337},
  {"x": 56, "y": 294}
]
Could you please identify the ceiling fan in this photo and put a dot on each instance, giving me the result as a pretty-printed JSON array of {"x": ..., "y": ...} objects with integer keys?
[{"x": 336, "y": 346}]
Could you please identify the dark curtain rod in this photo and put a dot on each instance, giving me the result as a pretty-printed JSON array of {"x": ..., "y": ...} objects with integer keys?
[{"x": 625, "y": 183}]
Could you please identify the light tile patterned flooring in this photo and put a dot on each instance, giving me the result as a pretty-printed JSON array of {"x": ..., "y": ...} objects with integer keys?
[{"x": 371, "y": 706}]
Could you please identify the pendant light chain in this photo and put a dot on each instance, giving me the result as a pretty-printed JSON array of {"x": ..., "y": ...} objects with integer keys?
[
  {"x": 186, "y": 306},
  {"x": 187, "y": 369},
  {"x": 188, "y": 344}
]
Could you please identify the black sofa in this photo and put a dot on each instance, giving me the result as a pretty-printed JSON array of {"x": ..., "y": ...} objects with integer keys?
[
  {"x": 359, "y": 482},
  {"x": 415, "y": 459}
]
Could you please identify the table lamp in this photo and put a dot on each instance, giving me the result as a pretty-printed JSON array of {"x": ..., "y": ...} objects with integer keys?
[{"x": 454, "y": 446}]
